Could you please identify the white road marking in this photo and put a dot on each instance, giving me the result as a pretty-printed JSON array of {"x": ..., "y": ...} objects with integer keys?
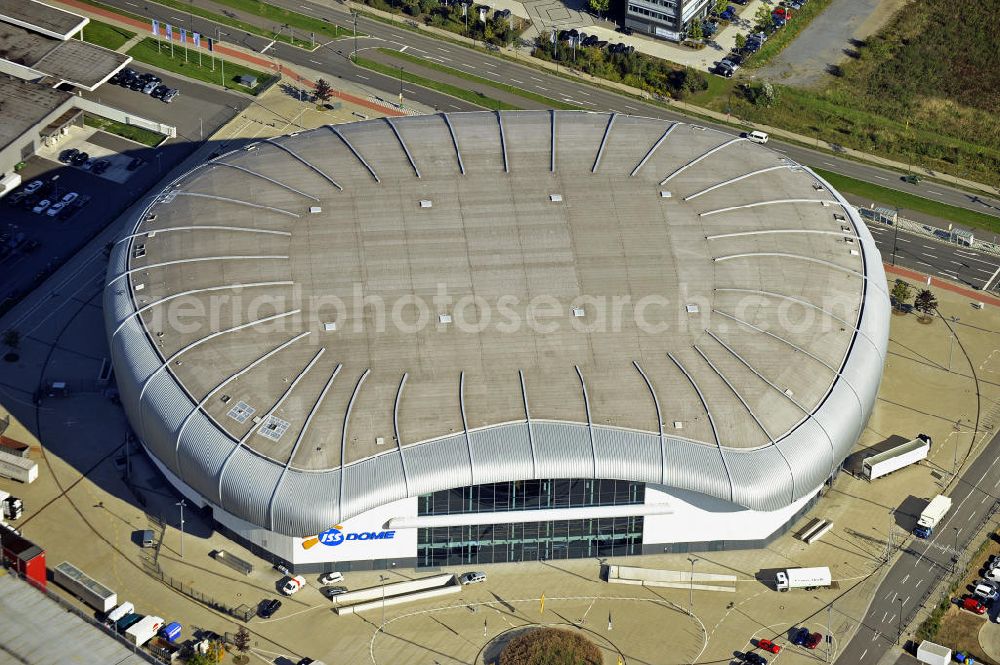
[
  {"x": 957, "y": 263},
  {"x": 304, "y": 7},
  {"x": 972, "y": 515},
  {"x": 961, "y": 253},
  {"x": 538, "y": 87},
  {"x": 906, "y": 600},
  {"x": 880, "y": 177},
  {"x": 516, "y": 81},
  {"x": 948, "y": 274},
  {"x": 535, "y": 79},
  {"x": 179, "y": 20},
  {"x": 489, "y": 64},
  {"x": 442, "y": 49},
  {"x": 361, "y": 77},
  {"x": 863, "y": 654},
  {"x": 903, "y": 240},
  {"x": 581, "y": 92},
  {"x": 829, "y": 164},
  {"x": 919, "y": 582},
  {"x": 404, "y": 48},
  {"x": 929, "y": 255},
  {"x": 459, "y": 108},
  {"x": 418, "y": 50},
  {"x": 316, "y": 62},
  {"x": 131, "y": 4},
  {"x": 931, "y": 191},
  {"x": 903, "y": 581}
]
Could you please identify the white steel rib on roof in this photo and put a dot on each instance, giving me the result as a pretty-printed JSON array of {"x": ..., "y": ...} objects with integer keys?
[{"x": 771, "y": 440}]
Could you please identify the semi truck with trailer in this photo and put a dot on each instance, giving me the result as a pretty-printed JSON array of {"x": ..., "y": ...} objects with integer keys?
[
  {"x": 803, "y": 578},
  {"x": 90, "y": 591},
  {"x": 143, "y": 630},
  {"x": 18, "y": 468},
  {"x": 896, "y": 458},
  {"x": 932, "y": 516}
]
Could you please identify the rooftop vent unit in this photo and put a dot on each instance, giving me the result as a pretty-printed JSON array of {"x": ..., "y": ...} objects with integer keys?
[
  {"x": 692, "y": 309},
  {"x": 315, "y": 210},
  {"x": 665, "y": 194},
  {"x": 444, "y": 318},
  {"x": 678, "y": 424},
  {"x": 140, "y": 287},
  {"x": 330, "y": 326},
  {"x": 555, "y": 198},
  {"x": 426, "y": 203},
  {"x": 578, "y": 312}
]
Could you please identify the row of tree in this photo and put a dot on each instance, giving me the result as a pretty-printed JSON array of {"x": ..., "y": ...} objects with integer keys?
[{"x": 924, "y": 302}]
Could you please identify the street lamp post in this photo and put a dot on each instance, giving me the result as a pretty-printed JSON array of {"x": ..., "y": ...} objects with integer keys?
[
  {"x": 355, "y": 35},
  {"x": 382, "y": 579},
  {"x": 895, "y": 235},
  {"x": 400, "y": 87},
  {"x": 181, "y": 504},
  {"x": 691, "y": 582}
]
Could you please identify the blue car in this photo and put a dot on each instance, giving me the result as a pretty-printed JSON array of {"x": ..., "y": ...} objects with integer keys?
[
  {"x": 800, "y": 637},
  {"x": 728, "y": 14}
]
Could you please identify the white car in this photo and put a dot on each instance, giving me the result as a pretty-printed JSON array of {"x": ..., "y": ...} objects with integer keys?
[
  {"x": 986, "y": 590},
  {"x": 55, "y": 208},
  {"x": 33, "y": 186},
  {"x": 331, "y": 577},
  {"x": 472, "y": 578},
  {"x": 293, "y": 584},
  {"x": 42, "y": 205},
  {"x": 69, "y": 198},
  {"x": 757, "y": 137}
]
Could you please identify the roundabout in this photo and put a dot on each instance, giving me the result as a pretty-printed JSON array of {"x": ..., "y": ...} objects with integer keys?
[{"x": 475, "y": 633}]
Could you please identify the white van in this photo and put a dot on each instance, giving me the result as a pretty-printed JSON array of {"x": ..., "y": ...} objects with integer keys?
[
  {"x": 472, "y": 578},
  {"x": 757, "y": 137}
]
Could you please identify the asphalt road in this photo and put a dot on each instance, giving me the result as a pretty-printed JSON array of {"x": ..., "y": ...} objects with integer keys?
[
  {"x": 923, "y": 562},
  {"x": 958, "y": 264},
  {"x": 333, "y": 58}
]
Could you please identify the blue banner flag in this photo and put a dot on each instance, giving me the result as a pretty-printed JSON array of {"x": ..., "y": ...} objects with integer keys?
[
  {"x": 169, "y": 32},
  {"x": 184, "y": 36},
  {"x": 196, "y": 39},
  {"x": 156, "y": 27}
]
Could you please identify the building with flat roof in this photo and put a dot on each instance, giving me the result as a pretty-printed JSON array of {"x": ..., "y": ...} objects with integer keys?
[
  {"x": 36, "y": 44},
  {"x": 480, "y": 337},
  {"x": 666, "y": 19},
  {"x": 29, "y": 113}
]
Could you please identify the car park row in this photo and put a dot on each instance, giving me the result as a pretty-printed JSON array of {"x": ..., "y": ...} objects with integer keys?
[
  {"x": 43, "y": 196},
  {"x": 800, "y": 637},
  {"x": 729, "y": 64},
  {"x": 146, "y": 83}
]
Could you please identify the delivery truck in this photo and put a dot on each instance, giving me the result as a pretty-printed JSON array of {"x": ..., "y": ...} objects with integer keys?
[
  {"x": 803, "y": 578},
  {"x": 119, "y": 613},
  {"x": 18, "y": 468},
  {"x": 896, "y": 458},
  {"x": 143, "y": 630},
  {"x": 11, "y": 507},
  {"x": 932, "y": 516},
  {"x": 933, "y": 654}
]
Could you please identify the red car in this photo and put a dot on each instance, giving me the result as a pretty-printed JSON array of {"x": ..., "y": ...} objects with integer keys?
[
  {"x": 768, "y": 645},
  {"x": 813, "y": 641},
  {"x": 782, "y": 12},
  {"x": 972, "y": 605}
]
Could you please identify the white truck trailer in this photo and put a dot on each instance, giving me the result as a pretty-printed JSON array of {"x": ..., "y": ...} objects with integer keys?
[
  {"x": 803, "y": 578},
  {"x": 933, "y": 654},
  {"x": 11, "y": 507},
  {"x": 90, "y": 591},
  {"x": 896, "y": 458},
  {"x": 932, "y": 516},
  {"x": 18, "y": 468},
  {"x": 143, "y": 631}
]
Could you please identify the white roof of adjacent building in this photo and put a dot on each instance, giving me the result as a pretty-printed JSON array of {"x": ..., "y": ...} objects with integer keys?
[{"x": 434, "y": 301}]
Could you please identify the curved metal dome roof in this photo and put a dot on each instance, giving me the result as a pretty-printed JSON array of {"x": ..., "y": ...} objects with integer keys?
[{"x": 325, "y": 322}]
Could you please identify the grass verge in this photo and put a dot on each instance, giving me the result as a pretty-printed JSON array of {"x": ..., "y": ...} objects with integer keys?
[
  {"x": 904, "y": 201},
  {"x": 520, "y": 92},
  {"x": 106, "y": 35},
  {"x": 146, "y": 51},
  {"x": 131, "y": 132},
  {"x": 470, "y": 96}
]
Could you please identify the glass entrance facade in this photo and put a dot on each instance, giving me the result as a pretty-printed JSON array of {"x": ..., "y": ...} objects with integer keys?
[{"x": 526, "y": 541}]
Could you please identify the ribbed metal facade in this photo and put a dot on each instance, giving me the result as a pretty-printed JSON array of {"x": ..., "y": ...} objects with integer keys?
[{"x": 307, "y": 502}]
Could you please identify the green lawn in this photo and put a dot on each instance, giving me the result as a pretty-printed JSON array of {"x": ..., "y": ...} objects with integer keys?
[
  {"x": 146, "y": 51},
  {"x": 782, "y": 37},
  {"x": 454, "y": 91},
  {"x": 103, "y": 34},
  {"x": 903, "y": 201},
  {"x": 541, "y": 99},
  {"x": 137, "y": 134}
]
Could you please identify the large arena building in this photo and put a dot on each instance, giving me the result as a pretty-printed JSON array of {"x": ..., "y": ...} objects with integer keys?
[{"x": 482, "y": 337}]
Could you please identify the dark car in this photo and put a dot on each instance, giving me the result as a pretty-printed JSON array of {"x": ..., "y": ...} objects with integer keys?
[
  {"x": 159, "y": 91},
  {"x": 800, "y": 637},
  {"x": 67, "y": 155},
  {"x": 751, "y": 658},
  {"x": 80, "y": 158},
  {"x": 100, "y": 166},
  {"x": 170, "y": 95},
  {"x": 728, "y": 14},
  {"x": 134, "y": 164},
  {"x": 734, "y": 59},
  {"x": 268, "y": 607},
  {"x": 724, "y": 70}
]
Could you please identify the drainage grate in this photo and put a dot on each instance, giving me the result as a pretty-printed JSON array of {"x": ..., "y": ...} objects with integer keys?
[
  {"x": 273, "y": 428},
  {"x": 241, "y": 411}
]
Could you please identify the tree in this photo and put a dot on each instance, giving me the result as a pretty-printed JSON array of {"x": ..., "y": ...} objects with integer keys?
[
  {"x": 925, "y": 303},
  {"x": 599, "y": 6},
  {"x": 212, "y": 657},
  {"x": 12, "y": 339},
  {"x": 762, "y": 18},
  {"x": 695, "y": 32},
  {"x": 901, "y": 292},
  {"x": 242, "y": 644},
  {"x": 720, "y": 6},
  {"x": 323, "y": 90},
  {"x": 741, "y": 41}
]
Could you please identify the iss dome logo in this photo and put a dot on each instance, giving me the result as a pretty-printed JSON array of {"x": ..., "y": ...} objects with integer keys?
[{"x": 335, "y": 536}]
